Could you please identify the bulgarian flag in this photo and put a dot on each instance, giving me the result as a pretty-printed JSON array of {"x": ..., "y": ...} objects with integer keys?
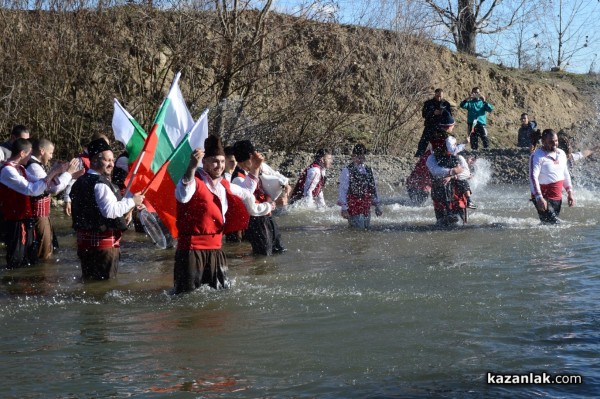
[
  {"x": 171, "y": 123},
  {"x": 128, "y": 131},
  {"x": 160, "y": 192}
]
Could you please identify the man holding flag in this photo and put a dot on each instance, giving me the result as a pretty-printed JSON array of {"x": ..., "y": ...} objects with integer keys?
[
  {"x": 208, "y": 206},
  {"x": 99, "y": 215}
]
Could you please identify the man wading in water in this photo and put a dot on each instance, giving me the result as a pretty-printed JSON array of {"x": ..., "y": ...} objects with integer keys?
[{"x": 548, "y": 174}]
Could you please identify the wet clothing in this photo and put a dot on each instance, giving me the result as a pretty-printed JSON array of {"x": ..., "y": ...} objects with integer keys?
[
  {"x": 548, "y": 175},
  {"x": 447, "y": 198},
  {"x": 263, "y": 231},
  {"x": 431, "y": 121},
  {"x": 418, "y": 183},
  {"x": 357, "y": 193},
  {"x": 98, "y": 218},
  {"x": 525, "y": 135},
  {"x": 205, "y": 211},
  {"x": 477, "y": 120},
  {"x": 310, "y": 186},
  {"x": 16, "y": 189}
]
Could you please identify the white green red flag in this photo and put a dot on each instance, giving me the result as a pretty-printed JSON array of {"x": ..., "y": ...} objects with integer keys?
[
  {"x": 160, "y": 192},
  {"x": 127, "y": 131},
  {"x": 172, "y": 121}
]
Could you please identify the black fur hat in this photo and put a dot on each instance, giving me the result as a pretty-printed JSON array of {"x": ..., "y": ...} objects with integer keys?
[{"x": 243, "y": 150}]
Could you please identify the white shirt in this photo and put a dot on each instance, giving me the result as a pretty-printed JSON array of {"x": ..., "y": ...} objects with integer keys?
[
  {"x": 440, "y": 172},
  {"x": 345, "y": 184},
  {"x": 106, "y": 200},
  {"x": 452, "y": 147},
  {"x": 185, "y": 191},
  {"x": 547, "y": 168},
  {"x": 313, "y": 176},
  {"x": 29, "y": 185},
  {"x": 56, "y": 185},
  {"x": 67, "y": 192}
]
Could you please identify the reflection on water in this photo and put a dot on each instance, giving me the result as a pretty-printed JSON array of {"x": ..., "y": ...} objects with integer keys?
[{"x": 404, "y": 310}]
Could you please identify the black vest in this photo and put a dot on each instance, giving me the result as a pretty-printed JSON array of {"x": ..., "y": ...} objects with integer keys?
[
  {"x": 85, "y": 210},
  {"x": 361, "y": 184}
]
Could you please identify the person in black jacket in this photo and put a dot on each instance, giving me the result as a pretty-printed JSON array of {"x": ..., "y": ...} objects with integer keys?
[{"x": 432, "y": 110}]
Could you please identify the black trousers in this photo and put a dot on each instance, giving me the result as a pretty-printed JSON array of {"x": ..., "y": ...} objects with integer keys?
[
  {"x": 263, "y": 234},
  {"x": 21, "y": 243},
  {"x": 550, "y": 215},
  {"x": 425, "y": 139},
  {"x": 99, "y": 264},
  {"x": 479, "y": 131},
  {"x": 194, "y": 268}
]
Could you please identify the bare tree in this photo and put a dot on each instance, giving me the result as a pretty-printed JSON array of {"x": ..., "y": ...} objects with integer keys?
[
  {"x": 466, "y": 19},
  {"x": 568, "y": 33}
]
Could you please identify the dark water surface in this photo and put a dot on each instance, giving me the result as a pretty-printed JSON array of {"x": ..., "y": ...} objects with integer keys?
[{"x": 405, "y": 310}]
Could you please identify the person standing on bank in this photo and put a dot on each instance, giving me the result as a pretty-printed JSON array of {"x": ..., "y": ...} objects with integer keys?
[
  {"x": 42, "y": 153},
  {"x": 16, "y": 189},
  {"x": 548, "y": 175},
  {"x": 526, "y": 134},
  {"x": 431, "y": 113},
  {"x": 99, "y": 214},
  {"x": 207, "y": 207},
  {"x": 358, "y": 190},
  {"x": 476, "y": 107},
  {"x": 312, "y": 180}
]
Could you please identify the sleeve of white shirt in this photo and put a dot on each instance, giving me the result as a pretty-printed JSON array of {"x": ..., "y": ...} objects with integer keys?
[
  {"x": 252, "y": 207},
  {"x": 13, "y": 180},
  {"x": 577, "y": 156},
  {"x": 60, "y": 183},
  {"x": 110, "y": 208},
  {"x": 452, "y": 147},
  {"x": 249, "y": 183},
  {"x": 184, "y": 192},
  {"x": 267, "y": 170},
  {"x": 313, "y": 176},
  {"x": 534, "y": 174},
  {"x": 56, "y": 185},
  {"x": 67, "y": 192},
  {"x": 343, "y": 189},
  {"x": 466, "y": 173},
  {"x": 435, "y": 169}
]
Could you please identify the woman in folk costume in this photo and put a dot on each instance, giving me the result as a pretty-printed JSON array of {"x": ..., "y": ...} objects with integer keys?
[
  {"x": 207, "y": 207},
  {"x": 312, "y": 180}
]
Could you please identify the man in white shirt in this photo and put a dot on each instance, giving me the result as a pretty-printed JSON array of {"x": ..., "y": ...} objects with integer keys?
[
  {"x": 16, "y": 189},
  {"x": 358, "y": 190},
  {"x": 548, "y": 175},
  {"x": 312, "y": 180},
  {"x": 42, "y": 153},
  {"x": 100, "y": 215},
  {"x": 207, "y": 207}
]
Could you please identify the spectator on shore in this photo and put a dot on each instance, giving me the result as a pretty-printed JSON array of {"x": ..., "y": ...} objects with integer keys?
[{"x": 477, "y": 107}]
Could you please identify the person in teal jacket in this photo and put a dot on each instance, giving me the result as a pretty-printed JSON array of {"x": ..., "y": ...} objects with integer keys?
[{"x": 477, "y": 107}]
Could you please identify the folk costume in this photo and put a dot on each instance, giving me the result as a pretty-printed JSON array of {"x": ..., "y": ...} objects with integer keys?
[
  {"x": 358, "y": 191},
  {"x": 205, "y": 211},
  {"x": 448, "y": 199},
  {"x": 310, "y": 186},
  {"x": 98, "y": 218},
  {"x": 16, "y": 189},
  {"x": 263, "y": 231},
  {"x": 41, "y": 207}
]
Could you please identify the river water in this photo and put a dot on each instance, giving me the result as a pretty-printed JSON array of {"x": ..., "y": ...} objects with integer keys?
[{"x": 403, "y": 311}]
